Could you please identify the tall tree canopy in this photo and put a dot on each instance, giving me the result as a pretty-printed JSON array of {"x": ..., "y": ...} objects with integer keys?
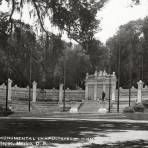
[
  {"x": 76, "y": 17},
  {"x": 131, "y": 40},
  {"x": 48, "y": 57}
]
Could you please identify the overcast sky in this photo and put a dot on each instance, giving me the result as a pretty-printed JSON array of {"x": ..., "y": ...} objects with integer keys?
[
  {"x": 114, "y": 14},
  {"x": 119, "y": 12}
]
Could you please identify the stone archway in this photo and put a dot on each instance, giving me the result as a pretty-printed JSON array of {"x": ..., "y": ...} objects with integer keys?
[{"x": 98, "y": 82}]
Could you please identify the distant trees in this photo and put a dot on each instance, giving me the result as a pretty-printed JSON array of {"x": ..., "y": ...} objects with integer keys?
[
  {"x": 50, "y": 57},
  {"x": 131, "y": 40},
  {"x": 48, "y": 52},
  {"x": 76, "y": 17},
  {"x": 16, "y": 49},
  {"x": 98, "y": 55},
  {"x": 76, "y": 64}
]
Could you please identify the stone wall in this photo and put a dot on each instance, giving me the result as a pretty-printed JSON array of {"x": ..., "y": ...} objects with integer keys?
[
  {"x": 47, "y": 95},
  {"x": 100, "y": 82},
  {"x": 53, "y": 95},
  {"x": 18, "y": 93},
  {"x": 74, "y": 95},
  {"x": 70, "y": 95},
  {"x": 2, "y": 91},
  {"x": 124, "y": 93}
]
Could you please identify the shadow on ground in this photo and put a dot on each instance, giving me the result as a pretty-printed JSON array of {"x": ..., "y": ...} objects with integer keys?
[
  {"x": 127, "y": 144},
  {"x": 78, "y": 131}
]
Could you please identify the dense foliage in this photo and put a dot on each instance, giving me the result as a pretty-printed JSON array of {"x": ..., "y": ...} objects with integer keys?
[
  {"x": 49, "y": 56},
  {"x": 76, "y": 17},
  {"x": 138, "y": 107},
  {"x": 128, "y": 109},
  {"x": 130, "y": 43},
  {"x": 20, "y": 48},
  {"x": 46, "y": 56}
]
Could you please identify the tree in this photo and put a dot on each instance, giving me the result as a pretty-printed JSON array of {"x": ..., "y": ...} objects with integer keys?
[
  {"x": 144, "y": 52},
  {"x": 51, "y": 52},
  {"x": 15, "y": 51},
  {"x": 98, "y": 55},
  {"x": 46, "y": 58},
  {"x": 76, "y": 17},
  {"x": 127, "y": 39},
  {"x": 76, "y": 64},
  {"x": 3, "y": 44}
]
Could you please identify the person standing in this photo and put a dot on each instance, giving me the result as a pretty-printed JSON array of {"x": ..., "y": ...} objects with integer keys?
[{"x": 103, "y": 96}]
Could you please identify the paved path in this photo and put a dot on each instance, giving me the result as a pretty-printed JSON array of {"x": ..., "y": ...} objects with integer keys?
[
  {"x": 73, "y": 133},
  {"x": 114, "y": 117},
  {"x": 74, "y": 119}
]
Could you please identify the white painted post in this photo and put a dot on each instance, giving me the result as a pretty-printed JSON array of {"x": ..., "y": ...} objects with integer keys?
[
  {"x": 95, "y": 86},
  {"x": 86, "y": 87},
  {"x": 95, "y": 91},
  {"x": 9, "y": 89},
  {"x": 34, "y": 91},
  {"x": 139, "y": 95},
  {"x": 113, "y": 85},
  {"x": 113, "y": 92},
  {"x": 60, "y": 93},
  {"x": 86, "y": 91},
  {"x": 96, "y": 73}
]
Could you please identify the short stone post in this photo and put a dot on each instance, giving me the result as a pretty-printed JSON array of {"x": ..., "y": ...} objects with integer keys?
[
  {"x": 113, "y": 92},
  {"x": 61, "y": 94},
  {"x": 34, "y": 91},
  {"x": 86, "y": 91},
  {"x": 9, "y": 89},
  {"x": 95, "y": 74},
  {"x": 95, "y": 91},
  {"x": 139, "y": 95},
  {"x": 113, "y": 85},
  {"x": 86, "y": 88}
]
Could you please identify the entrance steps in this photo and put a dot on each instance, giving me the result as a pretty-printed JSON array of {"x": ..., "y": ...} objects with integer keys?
[
  {"x": 3, "y": 102},
  {"x": 65, "y": 115},
  {"x": 19, "y": 106},
  {"x": 91, "y": 106},
  {"x": 46, "y": 107},
  {"x": 43, "y": 107},
  {"x": 122, "y": 105}
]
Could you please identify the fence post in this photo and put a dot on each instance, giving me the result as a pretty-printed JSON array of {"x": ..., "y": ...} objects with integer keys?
[
  {"x": 9, "y": 89},
  {"x": 139, "y": 95},
  {"x": 113, "y": 92},
  {"x": 86, "y": 87},
  {"x": 34, "y": 91},
  {"x": 61, "y": 94}
]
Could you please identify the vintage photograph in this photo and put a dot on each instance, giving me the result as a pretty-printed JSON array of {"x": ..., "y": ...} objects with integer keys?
[{"x": 73, "y": 73}]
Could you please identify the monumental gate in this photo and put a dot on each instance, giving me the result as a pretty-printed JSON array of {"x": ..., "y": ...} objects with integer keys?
[{"x": 97, "y": 83}]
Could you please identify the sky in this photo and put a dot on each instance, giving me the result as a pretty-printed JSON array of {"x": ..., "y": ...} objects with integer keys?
[{"x": 114, "y": 14}]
